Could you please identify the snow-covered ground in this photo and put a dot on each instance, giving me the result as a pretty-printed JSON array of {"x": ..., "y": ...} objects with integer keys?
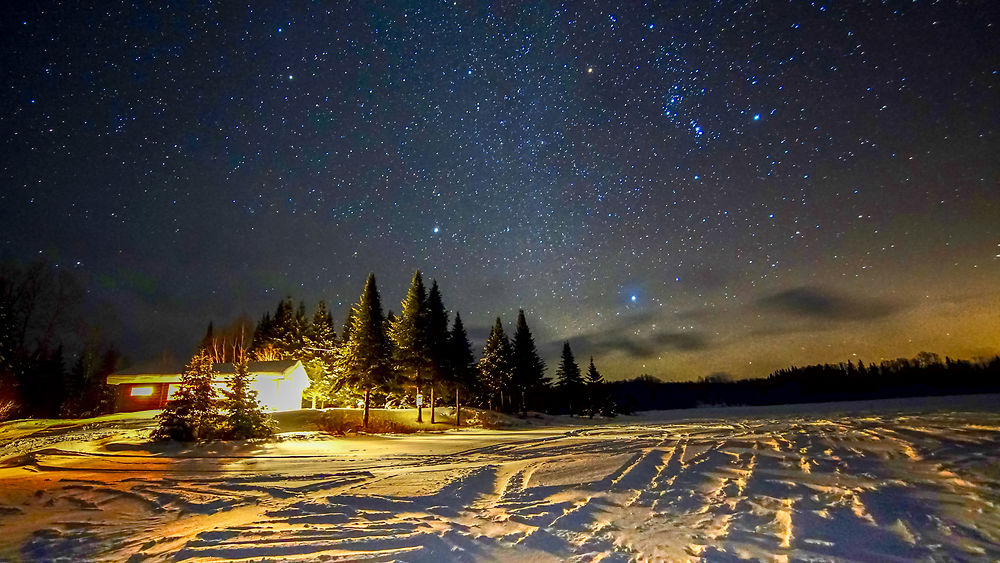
[{"x": 898, "y": 480}]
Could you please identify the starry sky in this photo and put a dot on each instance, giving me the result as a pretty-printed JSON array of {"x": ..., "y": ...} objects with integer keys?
[{"x": 678, "y": 189}]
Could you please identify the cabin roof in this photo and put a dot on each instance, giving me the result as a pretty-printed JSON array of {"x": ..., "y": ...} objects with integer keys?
[{"x": 160, "y": 373}]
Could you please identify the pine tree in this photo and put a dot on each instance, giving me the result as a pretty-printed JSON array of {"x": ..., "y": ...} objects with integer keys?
[
  {"x": 194, "y": 412},
  {"x": 528, "y": 368},
  {"x": 245, "y": 417},
  {"x": 365, "y": 358},
  {"x": 286, "y": 329},
  {"x": 437, "y": 340},
  {"x": 569, "y": 381},
  {"x": 208, "y": 341},
  {"x": 461, "y": 365},
  {"x": 495, "y": 367},
  {"x": 262, "y": 335},
  {"x": 348, "y": 324},
  {"x": 409, "y": 334},
  {"x": 319, "y": 353},
  {"x": 596, "y": 400}
]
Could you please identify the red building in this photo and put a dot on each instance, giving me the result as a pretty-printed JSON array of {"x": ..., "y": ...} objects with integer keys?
[{"x": 279, "y": 385}]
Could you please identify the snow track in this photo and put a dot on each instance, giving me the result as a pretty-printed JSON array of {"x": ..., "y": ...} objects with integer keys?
[{"x": 889, "y": 486}]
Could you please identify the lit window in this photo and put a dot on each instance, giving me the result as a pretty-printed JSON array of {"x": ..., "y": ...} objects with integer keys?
[
  {"x": 172, "y": 390},
  {"x": 142, "y": 391}
]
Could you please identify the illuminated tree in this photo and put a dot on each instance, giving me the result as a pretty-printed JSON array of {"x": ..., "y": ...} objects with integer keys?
[
  {"x": 245, "y": 417},
  {"x": 365, "y": 358},
  {"x": 193, "y": 414},
  {"x": 495, "y": 367},
  {"x": 409, "y": 333},
  {"x": 319, "y": 353}
]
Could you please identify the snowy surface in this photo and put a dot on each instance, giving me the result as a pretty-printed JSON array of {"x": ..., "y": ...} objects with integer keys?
[{"x": 899, "y": 480}]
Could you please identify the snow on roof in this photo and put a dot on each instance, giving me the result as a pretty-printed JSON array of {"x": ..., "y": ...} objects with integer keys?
[{"x": 161, "y": 373}]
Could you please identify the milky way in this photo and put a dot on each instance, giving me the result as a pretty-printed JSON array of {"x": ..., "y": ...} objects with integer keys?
[{"x": 677, "y": 190}]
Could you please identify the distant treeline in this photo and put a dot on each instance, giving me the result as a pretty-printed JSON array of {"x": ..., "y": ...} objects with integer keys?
[{"x": 925, "y": 375}]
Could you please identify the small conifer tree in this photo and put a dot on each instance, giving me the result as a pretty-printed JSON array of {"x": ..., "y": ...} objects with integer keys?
[
  {"x": 596, "y": 400},
  {"x": 496, "y": 367},
  {"x": 569, "y": 381},
  {"x": 193, "y": 414},
  {"x": 245, "y": 417}
]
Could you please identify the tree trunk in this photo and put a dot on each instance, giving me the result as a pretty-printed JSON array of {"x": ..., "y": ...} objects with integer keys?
[
  {"x": 368, "y": 394},
  {"x": 432, "y": 402},
  {"x": 420, "y": 405},
  {"x": 524, "y": 406},
  {"x": 458, "y": 410}
]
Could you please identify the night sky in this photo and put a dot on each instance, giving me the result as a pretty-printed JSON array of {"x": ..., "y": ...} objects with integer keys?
[{"x": 682, "y": 190}]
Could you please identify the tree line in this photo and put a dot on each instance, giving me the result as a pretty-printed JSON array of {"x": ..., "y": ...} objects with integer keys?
[
  {"x": 52, "y": 364},
  {"x": 421, "y": 357},
  {"x": 925, "y": 375}
]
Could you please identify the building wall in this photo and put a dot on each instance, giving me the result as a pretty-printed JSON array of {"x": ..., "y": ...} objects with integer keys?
[
  {"x": 276, "y": 393},
  {"x": 127, "y": 402}
]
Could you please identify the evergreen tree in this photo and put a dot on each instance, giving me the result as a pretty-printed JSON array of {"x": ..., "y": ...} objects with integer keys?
[
  {"x": 87, "y": 394},
  {"x": 319, "y": 353},
  {"x": 528, "y": 368},
  {"x": 437, "y": 341},
  {"x": 596, "y": 395},
  {"x": 194, "y": 412},
  {"x": 262, "y": 336},
  {"x": 286, "y": 330},
  {"x": 245, "y": 417},
  {"x": 461, "y": 366},
  {"x": 208, "y": 341},
  {"x": 495, "y": 367},
  {"x": 569, "y": 381},
  {"x": 348, "y": 324},
  {"x": 366, "y": 357},
  {"x": 409, "y": 333}
]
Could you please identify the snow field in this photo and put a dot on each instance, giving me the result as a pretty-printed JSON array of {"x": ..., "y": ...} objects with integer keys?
[{"x": 858, "y": 487}]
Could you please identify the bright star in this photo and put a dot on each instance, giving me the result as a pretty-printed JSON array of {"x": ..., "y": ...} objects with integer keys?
[
  {"x": 436, "y": 230},
  {"x": 634, "y": 298},
  {"x": 756, "y": 117}
]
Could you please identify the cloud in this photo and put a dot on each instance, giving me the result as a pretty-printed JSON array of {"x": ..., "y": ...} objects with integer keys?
[
  {"x": 631, "y": 337},
  {"x": 817, "y": 303}
]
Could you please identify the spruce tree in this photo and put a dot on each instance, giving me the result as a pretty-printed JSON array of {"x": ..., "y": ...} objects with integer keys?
[
  {"x": 461, "y": 366},
  {"x": 569, "y": 381},
  {"x": 409, "y": 334},
  {"x": 319, "y": 353},
  {"x": 365, "y": 358},
  {"x": 193, "y": 414},
  {"x": 495, "y": 367},
  {"x": 348, "y": 324},
  {"x": 208, "y": 341},
  {"x": 528, "y": 368},
  {"x": 245, "y": 417},
  {"x": 262, "y": 335},
  {"x": 437, "y": 340},
  {"x": 596, "y": 400},
  {"x": 286, "y": 329}
]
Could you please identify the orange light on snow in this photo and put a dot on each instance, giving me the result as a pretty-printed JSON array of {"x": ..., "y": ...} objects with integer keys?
[{"x": 142, "y": 391}]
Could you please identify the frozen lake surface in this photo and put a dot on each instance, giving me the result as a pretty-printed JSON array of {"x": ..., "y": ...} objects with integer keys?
[{"x": 895, "y": 480}]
